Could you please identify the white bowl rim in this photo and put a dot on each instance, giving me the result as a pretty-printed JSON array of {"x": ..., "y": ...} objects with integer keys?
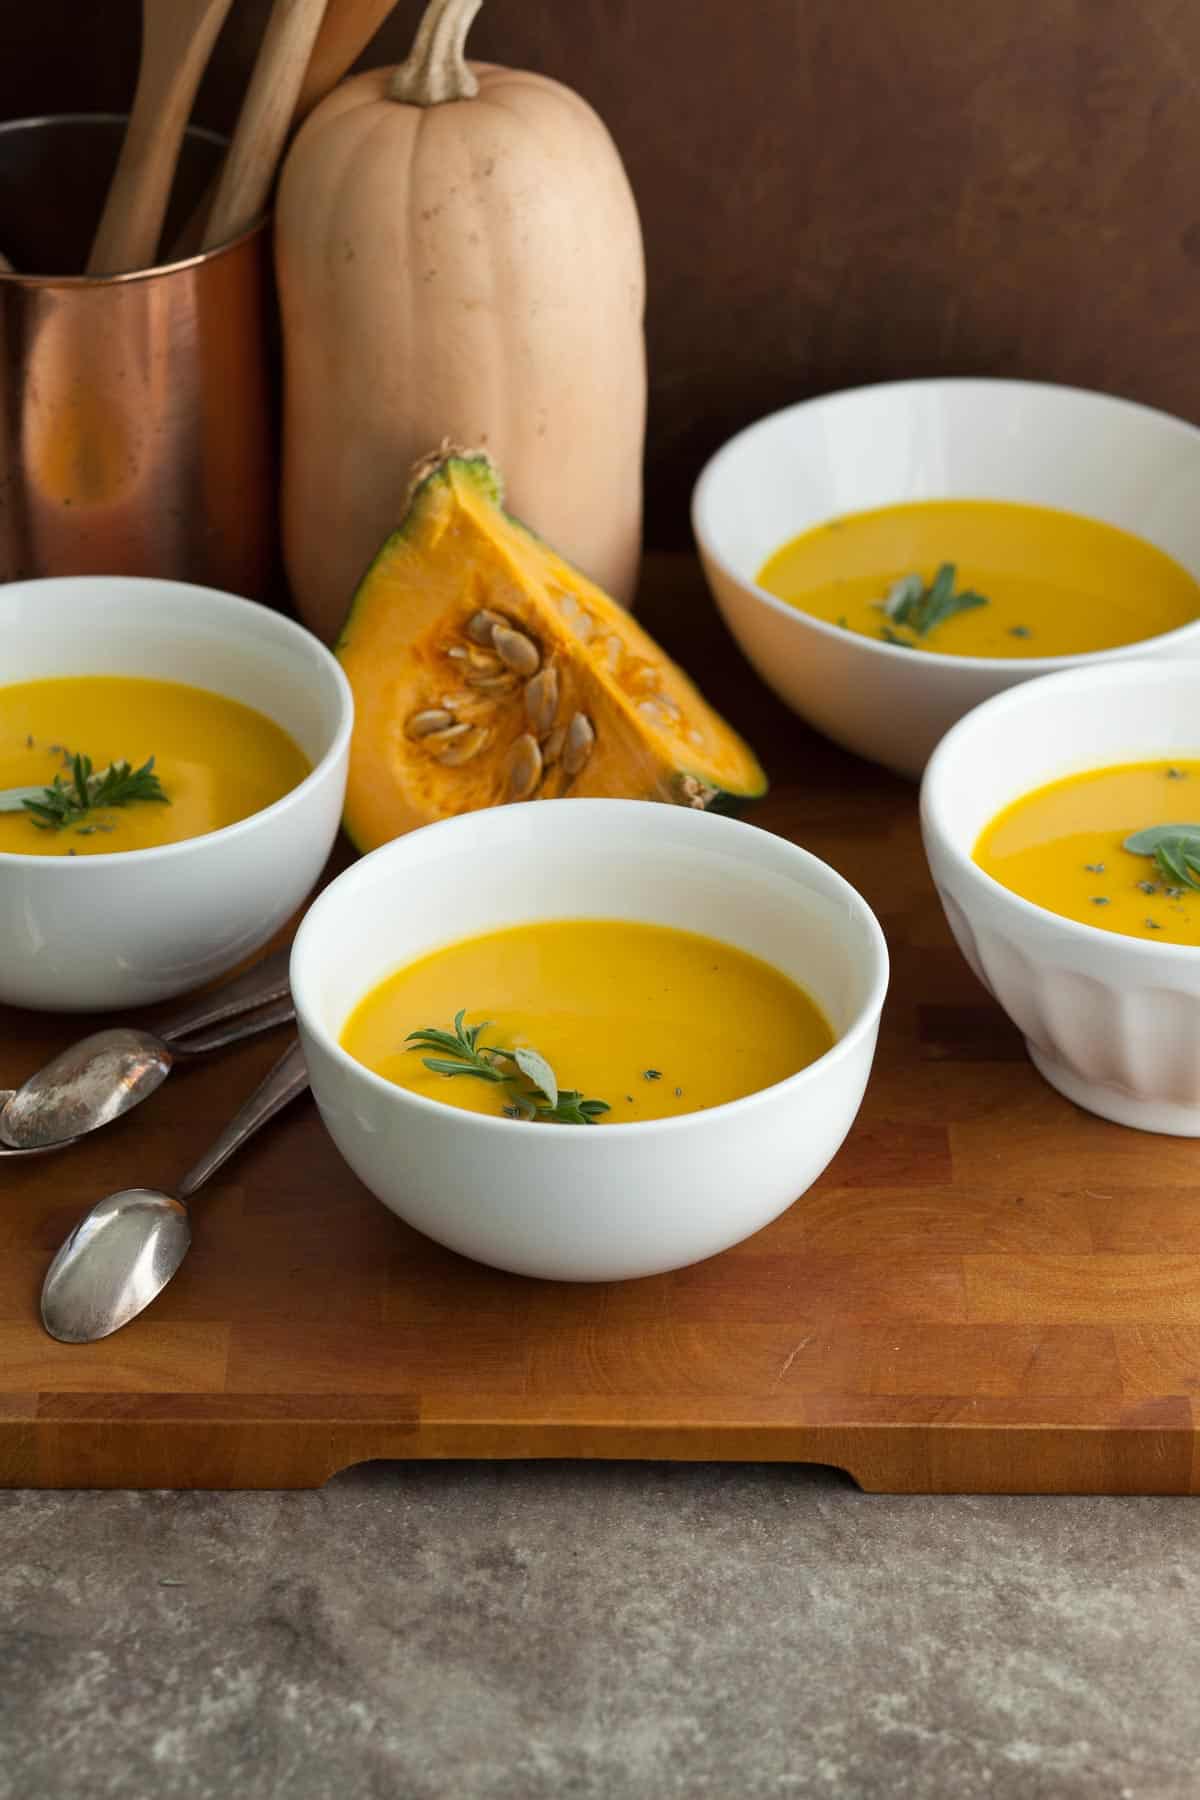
[
  {"x": 965, "y": 866},
  {"x": 1034, "y": 666},
  {"x": 20, "y": 859},
  {"x": 843, "y": 1044}
]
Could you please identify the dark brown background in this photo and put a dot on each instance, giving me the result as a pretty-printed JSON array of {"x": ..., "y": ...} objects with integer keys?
[{"x": 831, "y": 192}]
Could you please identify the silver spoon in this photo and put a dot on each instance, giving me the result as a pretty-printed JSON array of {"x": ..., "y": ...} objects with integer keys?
[
  {"x": 102, "y": 1076},
  {"x": 123, "y": 1252}
]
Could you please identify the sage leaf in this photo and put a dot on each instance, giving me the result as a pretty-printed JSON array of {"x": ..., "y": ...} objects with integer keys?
[
  {"x": 1145, "y": 843},
  {"x": 538, "y": 1070}
]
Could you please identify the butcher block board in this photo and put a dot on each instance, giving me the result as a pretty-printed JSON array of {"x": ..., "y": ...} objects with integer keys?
[{"x": 988, "y": 1290}]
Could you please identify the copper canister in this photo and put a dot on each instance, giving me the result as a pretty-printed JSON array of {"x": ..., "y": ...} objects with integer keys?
[{"x": 136, "y": 429}]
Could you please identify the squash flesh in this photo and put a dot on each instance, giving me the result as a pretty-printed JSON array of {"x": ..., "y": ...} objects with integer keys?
[{"x": 409, "y": 656}]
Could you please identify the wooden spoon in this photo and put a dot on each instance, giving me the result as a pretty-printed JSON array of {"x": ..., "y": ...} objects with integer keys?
[
  {"x": 265, "y": 118},
  {"x": 177, "y": 40},
  {"x": 346, "y": 29}
]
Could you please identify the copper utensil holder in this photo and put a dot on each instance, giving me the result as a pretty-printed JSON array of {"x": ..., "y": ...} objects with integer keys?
[{"x": 136, "y": 411}]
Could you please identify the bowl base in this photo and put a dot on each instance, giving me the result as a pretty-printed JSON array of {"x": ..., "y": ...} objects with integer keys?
[{"x": 1117, "y": 1104}]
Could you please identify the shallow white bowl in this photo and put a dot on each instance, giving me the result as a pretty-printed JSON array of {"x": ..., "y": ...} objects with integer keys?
[
  {"x": 85, "y": 933},
  {"x": 1113, "y": 1022},
  {"x": 1110, "y": 459},
  {"x": 589, "y": 1203}
]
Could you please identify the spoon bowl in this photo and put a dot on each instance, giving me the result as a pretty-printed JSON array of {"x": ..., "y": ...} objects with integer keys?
[
  {"x": 6, "y": 1095},
  {"x": 103, "y": 1076},
  {"x": 124, "y": 1251},
  {"x": 87, "y": 1085},
  {"x": 116, "y": 1261}
]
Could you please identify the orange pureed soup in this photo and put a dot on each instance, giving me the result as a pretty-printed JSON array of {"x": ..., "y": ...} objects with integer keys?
[
  {"x": 215, "y": 760},
  {"x": 983, "y": 578},
  {"x": 647, "y": 1019},
  {"x": 1109, "y": 848}
]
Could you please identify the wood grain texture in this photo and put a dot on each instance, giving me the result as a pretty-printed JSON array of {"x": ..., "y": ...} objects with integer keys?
[
  {"x": 830, "y": 194},
  {"x": 988, "y": 1290}
]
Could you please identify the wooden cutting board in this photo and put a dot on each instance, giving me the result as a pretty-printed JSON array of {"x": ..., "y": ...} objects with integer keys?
[{"x": 988, "y": 1290}]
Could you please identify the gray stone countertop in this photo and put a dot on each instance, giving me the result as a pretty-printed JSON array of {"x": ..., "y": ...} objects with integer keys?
[{"x": 513, "y": 1631}]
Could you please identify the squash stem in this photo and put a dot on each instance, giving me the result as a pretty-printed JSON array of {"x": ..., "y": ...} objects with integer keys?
[{"x": 436, "y": 68}]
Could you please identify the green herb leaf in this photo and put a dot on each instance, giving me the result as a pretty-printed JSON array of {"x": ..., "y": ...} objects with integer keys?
[
  {"x": 538, "y": 1070},
  {"x": 1175, "y": 849},
  {"x": 70, "y": 799},
  {"x": 1145, "y": 843},
  {"x": 461, "y": 1046},
  {"x": 921, "y": 609},
  {"x": 463, "y": 1054}
]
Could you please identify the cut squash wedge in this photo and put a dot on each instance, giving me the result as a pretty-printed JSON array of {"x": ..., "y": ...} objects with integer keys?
[{"x": 486, "y": 670}]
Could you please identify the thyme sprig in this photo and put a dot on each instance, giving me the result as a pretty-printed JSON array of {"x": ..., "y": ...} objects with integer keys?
[
  {"x": 460, "y": 1053},
  {"x": 921, "y": 609},
  {"x": 81, "y": 790}
]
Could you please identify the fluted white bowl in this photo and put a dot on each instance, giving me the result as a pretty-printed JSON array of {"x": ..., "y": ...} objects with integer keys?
[
  {"x": 580, "y": 1202},
  {"x": 1115, "y": 461},
  {"x": 1112, "y": 1022}
]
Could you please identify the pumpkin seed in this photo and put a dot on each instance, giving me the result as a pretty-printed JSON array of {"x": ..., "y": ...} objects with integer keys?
[
  {"x": 481, "y": 626},
  {"x": 446, "y": 734},
  {"x": 524, "y": 767},
  {"x": 552, "y": 745},
  {"x": 514, "y": 648},
  {"x": 431, "y": 718},
  {"x": 614, "y": 653},
  {"x": 541, "y": 699},
  {"x": 465, "y": 748},
  {"x": 578, "y": 745},
  {"x": 579, "y": 621},
  {"x": 646, "y": 677},
  {"x": 504, "y": 683}
]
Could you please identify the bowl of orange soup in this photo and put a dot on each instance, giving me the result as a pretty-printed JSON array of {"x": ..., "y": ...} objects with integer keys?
[
  {"x": 172, "y": 769},
  {"x": 890, "y": 556},
  {"x": 589, "y": 1040},
  {"x": 1062, "y": 827}
]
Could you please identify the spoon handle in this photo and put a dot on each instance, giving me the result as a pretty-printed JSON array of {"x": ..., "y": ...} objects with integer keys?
[
  {"x": 286, "y": 1081},
  {"x": 267, "y": 980},
  {"x": 233, "y": 1031}
]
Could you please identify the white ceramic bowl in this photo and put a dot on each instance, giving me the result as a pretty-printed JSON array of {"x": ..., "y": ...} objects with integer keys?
[
  {"x": 1113, "y": 1022},
  {"x": 590, "y": 1203},
  {"x": 1088, "y": 453},
  {"x": 123, "y": 930}
]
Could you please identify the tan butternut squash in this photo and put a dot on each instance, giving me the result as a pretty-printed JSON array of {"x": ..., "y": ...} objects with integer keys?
[{"x": 459, "y": 256}]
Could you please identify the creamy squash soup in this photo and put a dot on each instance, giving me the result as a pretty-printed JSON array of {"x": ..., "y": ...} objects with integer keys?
[
  {"x": 90, "y": 764},
  {"x": 983, "y": 578},
  {"x": 1117, "y": 848},
  {"x": 587, "y": 1021}
]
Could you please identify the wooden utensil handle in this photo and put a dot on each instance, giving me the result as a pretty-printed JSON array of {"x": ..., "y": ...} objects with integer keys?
[
  {"x": 346, "y": 29},
  {"x": 177, "y": 40},
  {"x": 265, "y": 118}
]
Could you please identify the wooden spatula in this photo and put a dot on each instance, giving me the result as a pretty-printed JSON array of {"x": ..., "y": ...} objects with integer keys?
[
  {"x": 265, "y": 118},
  {"x": 177, "y": 40},
  {"x": 346, "y": 29}
]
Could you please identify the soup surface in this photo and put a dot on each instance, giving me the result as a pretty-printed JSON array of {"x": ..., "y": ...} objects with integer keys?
[
  {"x": 1063, "y": 847},
  {"x": 217, "y": 760},
  {"x": 1050, "y": 582},
  {"x": 652, "y": 1020}
]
